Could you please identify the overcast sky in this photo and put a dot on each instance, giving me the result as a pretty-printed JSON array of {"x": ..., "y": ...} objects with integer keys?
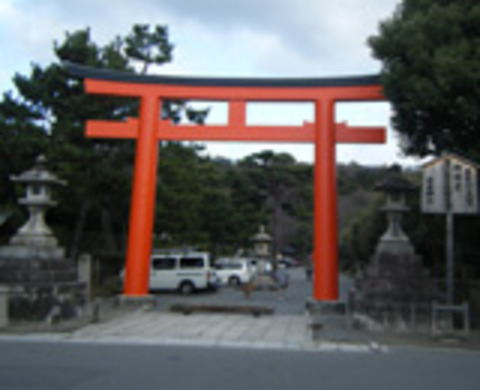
[{"x": 240, "y": 38}]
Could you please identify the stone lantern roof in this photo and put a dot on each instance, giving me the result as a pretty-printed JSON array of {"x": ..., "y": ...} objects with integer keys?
[
  {"x": 262, "y": 235},
  {"x": 38, "y": 174},
  {"x": 395, "y": 183}
]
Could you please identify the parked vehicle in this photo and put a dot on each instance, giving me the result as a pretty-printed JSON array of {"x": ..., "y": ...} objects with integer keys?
[
  {"x": 288, "y": 262},
  {"x": 234, "y": 271},
  {"x": 182, "y": 271}
]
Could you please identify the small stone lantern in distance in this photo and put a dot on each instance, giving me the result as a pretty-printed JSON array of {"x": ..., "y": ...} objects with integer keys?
[
  {"x": 261, "y": 248},
  {"x": 262, "y": 242}
]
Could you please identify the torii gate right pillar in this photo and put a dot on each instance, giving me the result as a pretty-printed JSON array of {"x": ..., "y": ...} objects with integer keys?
[{"x": 325, "y": 256}]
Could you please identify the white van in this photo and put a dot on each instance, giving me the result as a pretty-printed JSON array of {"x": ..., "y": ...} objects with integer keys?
[
  {"x": 182, "y": 271},
  {"x": 185, "y": 272}
]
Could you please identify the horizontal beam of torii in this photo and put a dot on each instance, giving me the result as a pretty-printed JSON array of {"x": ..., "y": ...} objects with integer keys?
[
  {"x": 149, "y": 128},
  {"x": 234, "y": 132}
]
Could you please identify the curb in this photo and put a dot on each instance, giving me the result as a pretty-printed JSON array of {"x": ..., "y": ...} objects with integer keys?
[{"x": 324, "y": 346}]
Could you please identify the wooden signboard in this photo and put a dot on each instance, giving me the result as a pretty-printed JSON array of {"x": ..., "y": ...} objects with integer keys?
[{"x": 450, "y": 184}]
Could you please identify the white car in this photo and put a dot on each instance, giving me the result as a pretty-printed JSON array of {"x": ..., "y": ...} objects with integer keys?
[
  {"x": 182, "y": 271},
  {"x": 234, "y": 271}
]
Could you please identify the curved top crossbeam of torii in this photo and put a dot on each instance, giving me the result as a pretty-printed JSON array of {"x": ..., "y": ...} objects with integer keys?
[
  {"x": 237, "y": 91},
  {"x": 149, "y": 128}
]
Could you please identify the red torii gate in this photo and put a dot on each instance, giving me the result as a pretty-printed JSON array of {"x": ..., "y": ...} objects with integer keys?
[{"x": 149, "y": 128}]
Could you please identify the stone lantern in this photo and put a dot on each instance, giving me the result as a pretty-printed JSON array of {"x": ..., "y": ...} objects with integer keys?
[
  {"x": 43, "y": 284},
  {"x": 394, "y": 240},
  {"x": 262, "y": 241},
  {"x": 261, "y": 249},
  {"x": 35, "y": 237},
  {"x": 394, "y": 288}
]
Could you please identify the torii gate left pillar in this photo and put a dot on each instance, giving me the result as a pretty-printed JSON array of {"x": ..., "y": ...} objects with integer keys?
[{"x": 149, "y": 129}]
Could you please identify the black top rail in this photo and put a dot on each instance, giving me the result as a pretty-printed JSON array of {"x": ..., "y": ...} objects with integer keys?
[{"x": 82, "y": 71}]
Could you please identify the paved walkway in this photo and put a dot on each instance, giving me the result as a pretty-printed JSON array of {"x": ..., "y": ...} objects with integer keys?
[
  {"x": 212, "y": 330},
  {"x": 287, "y": 328},
  {"x": 146, "y": 326}
]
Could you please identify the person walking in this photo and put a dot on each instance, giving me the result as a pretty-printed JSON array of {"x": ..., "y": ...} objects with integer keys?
[{"x": 281, "y": 279}]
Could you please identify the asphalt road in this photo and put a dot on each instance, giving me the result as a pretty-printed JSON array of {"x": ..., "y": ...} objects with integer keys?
[{"x": 66, "y": 365}]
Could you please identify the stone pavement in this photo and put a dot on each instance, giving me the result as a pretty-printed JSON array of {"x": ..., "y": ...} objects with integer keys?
[
  {"x": 145, "y": 326},
  {"x": 287, "y": 328}
]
